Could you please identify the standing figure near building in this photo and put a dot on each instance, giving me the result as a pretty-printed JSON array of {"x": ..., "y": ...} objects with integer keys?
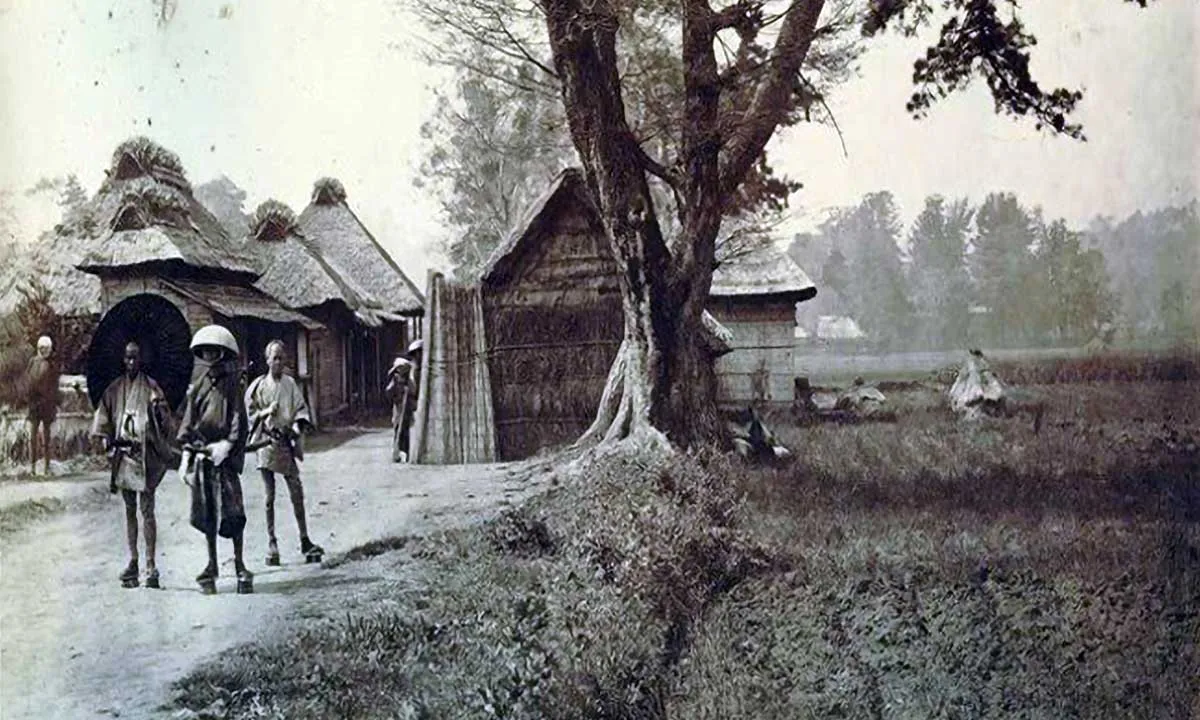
[
  {"x": 400, "y": 391},
  {"x": 213, "y": 434},
  {"x": 42, "y": 379},
  {"x": 134, "y": 421},
  {"x": 279, "y": 417}
]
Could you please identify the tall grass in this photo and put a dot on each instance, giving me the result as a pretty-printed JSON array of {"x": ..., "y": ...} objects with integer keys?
[{"x": 917, "y": 569}]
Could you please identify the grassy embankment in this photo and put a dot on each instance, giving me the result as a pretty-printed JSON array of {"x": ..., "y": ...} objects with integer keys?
[{"x": 917, "y": 569}]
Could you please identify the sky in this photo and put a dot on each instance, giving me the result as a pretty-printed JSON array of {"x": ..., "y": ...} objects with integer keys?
[{"x": 276, "y": 93}]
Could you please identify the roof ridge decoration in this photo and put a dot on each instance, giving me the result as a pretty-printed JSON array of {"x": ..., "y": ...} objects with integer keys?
[
  {"x": 273, "y": 221},
  {"x": 328, "y": 191},
  {"x": 142, "y": 157},
  {"x": 145, "y": 202}
]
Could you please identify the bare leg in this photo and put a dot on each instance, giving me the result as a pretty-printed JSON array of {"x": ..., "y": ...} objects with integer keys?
[
  {"x": 238, "y": 565},
  {"x": 149, "y": 526},
  {"x": 33, "y": 441},
  {"x": 269, "y": 482},
  {"x": 210, "y": 571},
  {"x": 131, "y": 534},
  {"x": 46, "y": 446},
  {"x": 296, "y": 493}
]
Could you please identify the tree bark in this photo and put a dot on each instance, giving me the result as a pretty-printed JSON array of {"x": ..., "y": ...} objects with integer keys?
[{"x": 662, "y": 386}]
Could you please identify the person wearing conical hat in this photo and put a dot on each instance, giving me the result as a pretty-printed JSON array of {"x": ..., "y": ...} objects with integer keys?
[
  {"x": 277, "y": 409},
  {"x": 401, "y": 391},
  {"x": 213, "y": 434},
  {"x": 42, "y": 381}
]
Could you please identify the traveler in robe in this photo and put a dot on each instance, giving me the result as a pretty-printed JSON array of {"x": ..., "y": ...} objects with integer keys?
[
  {"x": 279, "y": 418},
  {"x": 213, "y": 433},
  {"x": 400, "y": 390},
  {"x": 134, "y": 422},
  {"x": 42, "y": 380}
]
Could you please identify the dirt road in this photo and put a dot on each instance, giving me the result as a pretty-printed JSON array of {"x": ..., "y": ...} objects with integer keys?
[{"x": 74, "y": 644}]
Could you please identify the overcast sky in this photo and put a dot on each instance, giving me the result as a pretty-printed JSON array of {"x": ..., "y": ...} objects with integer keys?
[{"x": 276, "y": 93}]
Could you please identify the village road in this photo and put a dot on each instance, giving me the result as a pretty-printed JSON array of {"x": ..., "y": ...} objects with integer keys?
[{"x": 74, "y": 644}]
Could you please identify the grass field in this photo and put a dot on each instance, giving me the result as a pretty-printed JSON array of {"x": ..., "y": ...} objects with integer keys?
[{"x": 916, "y": 569}]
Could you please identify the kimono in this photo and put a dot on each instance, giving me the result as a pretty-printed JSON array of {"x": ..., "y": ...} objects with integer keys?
[
  {"x": 42, "y": 378},
  {"x": 280, "y": 446},
  {"x": 401, "y": 390},
  {"x": 134, "y": 418},
  {"x": 214, "y": 411}
]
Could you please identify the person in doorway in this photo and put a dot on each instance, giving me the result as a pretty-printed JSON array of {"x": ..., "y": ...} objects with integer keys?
[
  {"x": 133, "y": 419},
  {"x": 213, "y": 434},
  {"x": 280, "y": 417},
  {"x": 42, "y": 379}
]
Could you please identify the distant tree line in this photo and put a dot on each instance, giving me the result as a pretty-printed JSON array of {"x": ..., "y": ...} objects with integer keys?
[{"x": 1000, "y": 274}]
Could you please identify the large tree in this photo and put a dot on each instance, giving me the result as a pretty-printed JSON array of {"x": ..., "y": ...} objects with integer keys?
[{"x": 742, "y": 70}]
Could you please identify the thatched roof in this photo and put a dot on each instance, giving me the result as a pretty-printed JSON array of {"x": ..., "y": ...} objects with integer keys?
[
  {"x": 568, "y": 186},
  {"x": 765, "y": 272},
  {"x": 293, "y": 268},
  {"x": 233, "y": 301},
  {"x": 333, "y": 230},
  {"x": 51, "y": 261},
  {"x": 144, "y": 214}
]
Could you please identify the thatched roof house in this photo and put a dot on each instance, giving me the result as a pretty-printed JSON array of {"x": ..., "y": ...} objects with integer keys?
[
  {"x": 291, "y": 269},
  {"x": 145, "y": 234},
  {"x": 766, "y": 272},
  {"x": 340, "y": 237}
]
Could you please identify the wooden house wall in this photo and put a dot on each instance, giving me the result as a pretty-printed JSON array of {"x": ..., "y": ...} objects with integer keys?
[
  {"x": 760, "y": 367},
  {"x": 553, "y": 331},
  {"x": 113, "y": 290}
]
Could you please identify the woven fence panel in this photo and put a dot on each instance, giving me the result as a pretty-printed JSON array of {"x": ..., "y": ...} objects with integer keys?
[
  {"x": 455, "y": 422},
  {"x": 548, "y": 366}
]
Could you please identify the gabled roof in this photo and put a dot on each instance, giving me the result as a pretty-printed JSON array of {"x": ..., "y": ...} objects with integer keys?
[
  {"x": 766, "y": 271},
  {"x": 145, "y": 214},
  {"x": 568, "y": 186},
  {"x": 293, "y": 269},
  {"x": 336, "y": 233}
]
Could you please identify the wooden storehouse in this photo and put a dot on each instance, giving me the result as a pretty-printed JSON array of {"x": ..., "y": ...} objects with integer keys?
[
  {"x": 150, "y": 242},
  {"x": 755, "y": 297},
  {"x": 518, "y": 361}
]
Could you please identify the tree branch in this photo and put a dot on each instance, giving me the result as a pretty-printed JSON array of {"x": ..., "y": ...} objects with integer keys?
[{"x": 771, "y": 98}]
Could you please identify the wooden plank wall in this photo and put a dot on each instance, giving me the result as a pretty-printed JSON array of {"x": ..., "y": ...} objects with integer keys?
[{"x": 760, "y": 366}]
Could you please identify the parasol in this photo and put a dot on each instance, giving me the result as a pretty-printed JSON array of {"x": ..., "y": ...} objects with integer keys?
[{"x": 164, "y": 336}]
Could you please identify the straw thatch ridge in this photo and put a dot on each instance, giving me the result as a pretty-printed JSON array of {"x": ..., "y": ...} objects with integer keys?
[
  {"x": 568, "y": 186},
  {"x": 328, "y": 191},
  {"x": 273, "y": 221},
  {"x": 140, "y": 156},
  {"x": 765, "y": 272},
  {"x": 340, "y": 237}
]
